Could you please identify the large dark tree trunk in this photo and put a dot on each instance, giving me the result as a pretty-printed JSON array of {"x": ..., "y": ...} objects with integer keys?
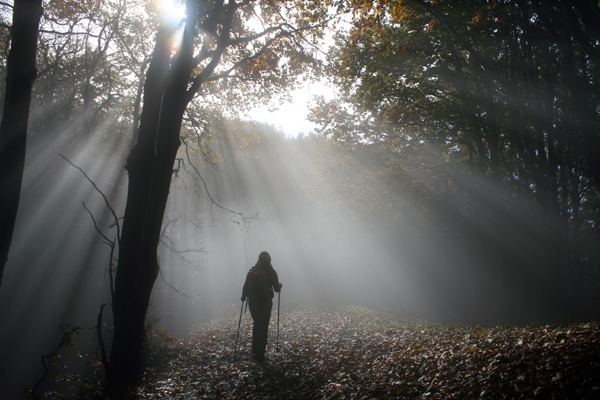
[
  {"x": 171, "y": 83},
  {"x": 150, "y": 166},
  {"x": 20, "y": 75},
  {"x": 138, "y": 266}
]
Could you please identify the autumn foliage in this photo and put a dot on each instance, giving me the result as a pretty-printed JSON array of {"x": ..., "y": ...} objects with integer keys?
[{"x": 359, "y": 353}]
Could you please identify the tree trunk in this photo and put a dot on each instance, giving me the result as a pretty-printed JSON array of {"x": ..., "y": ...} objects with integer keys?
[
  {"x": 150, "y": 166},
  {"x": 20, "y": 76}
]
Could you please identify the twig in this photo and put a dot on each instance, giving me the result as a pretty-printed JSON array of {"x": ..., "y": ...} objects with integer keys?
[
  {"x": 111, "y": 244},
  {"x": 100, "y": 339},
  {"x": 193, "y": 265},
  {"x": 246, "y": 220},
  {"x": 174, "y": 288},
  {"x": 65, "y": 340},
  {"x": 103, "y": 196}
]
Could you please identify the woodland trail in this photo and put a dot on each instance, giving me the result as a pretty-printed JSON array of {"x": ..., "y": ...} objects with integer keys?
[{"x": 362, "y": 354}]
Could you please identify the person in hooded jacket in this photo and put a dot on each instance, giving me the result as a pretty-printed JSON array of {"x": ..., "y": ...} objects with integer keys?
[{"x": 260, "y": 282}]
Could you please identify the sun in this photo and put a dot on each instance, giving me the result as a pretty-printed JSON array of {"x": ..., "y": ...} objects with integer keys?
[{"x": 173, "y": 10}]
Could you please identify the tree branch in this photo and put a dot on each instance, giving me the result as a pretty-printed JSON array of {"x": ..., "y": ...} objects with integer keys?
[
  {"x": 222, "y": 44},
  {"x": 106, "y": 202},
  {"x": 174, "y": 288},
  {"x": 111, "y": 244},
  {"x": 245, "y": 220},
  {"x": 100, "y": 339}
]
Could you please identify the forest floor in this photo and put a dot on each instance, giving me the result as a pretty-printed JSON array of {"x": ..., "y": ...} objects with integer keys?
[{"x": 362, "y": 354}]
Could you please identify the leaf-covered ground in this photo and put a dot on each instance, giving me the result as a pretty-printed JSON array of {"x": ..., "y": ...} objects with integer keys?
[{"x": 361, "y": 354}]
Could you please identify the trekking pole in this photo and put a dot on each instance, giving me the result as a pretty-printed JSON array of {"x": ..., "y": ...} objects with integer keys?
[
  {"x": 238, "y": 332},
  {"x": 278, "y": 303}
]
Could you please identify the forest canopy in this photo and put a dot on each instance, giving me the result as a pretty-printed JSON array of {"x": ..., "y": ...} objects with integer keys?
[{"x": 485, "y": 115}]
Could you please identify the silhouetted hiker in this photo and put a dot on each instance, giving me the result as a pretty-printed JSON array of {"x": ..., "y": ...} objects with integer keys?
[{"x": 258, "y": 288}]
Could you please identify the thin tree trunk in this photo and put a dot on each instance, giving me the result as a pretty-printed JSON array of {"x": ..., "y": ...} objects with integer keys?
[{"x": 20, "y": 76}]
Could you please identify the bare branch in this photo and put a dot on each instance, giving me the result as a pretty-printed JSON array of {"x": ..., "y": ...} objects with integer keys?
[
  {"x": 64, "y": 341},
  {"x": 111, "y": 244},
  {"x": 178, "y": 291},
  {"x": 246, "y": 220},
  {"x": 96, "y": 224},
  {"x": 106, "y": 202},
  {"x": 100, "y": 338}
]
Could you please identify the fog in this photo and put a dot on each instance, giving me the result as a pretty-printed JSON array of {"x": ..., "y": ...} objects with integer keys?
[
  {"x": 322, "y": 255},
  {"x": 269, "y": 200}
]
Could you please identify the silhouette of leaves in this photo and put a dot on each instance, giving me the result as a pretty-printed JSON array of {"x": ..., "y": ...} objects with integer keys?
[{"x": 357, "y": 353}]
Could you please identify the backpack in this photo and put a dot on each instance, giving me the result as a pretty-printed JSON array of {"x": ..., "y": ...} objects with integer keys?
[{"x": 259, "y": 284}]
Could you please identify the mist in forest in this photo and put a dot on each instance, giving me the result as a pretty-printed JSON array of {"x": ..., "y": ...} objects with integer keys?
[
  {"x": 460, "y": 189},
  {"x": 267, "y": 199}
]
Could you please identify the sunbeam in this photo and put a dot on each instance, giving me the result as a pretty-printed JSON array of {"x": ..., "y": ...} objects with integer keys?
[{"x": 441, "y": 190}]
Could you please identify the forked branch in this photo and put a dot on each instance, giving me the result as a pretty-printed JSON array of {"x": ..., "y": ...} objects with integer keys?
[{"x": 106, "y": 202}]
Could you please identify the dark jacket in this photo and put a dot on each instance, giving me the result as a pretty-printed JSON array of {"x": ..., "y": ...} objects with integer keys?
[{"x": 260, "y": 283}]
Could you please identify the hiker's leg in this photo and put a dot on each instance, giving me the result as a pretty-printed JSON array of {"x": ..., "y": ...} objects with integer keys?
[
  {"x": 262, "y": 325},
  {"x": 255, "y": 313}
]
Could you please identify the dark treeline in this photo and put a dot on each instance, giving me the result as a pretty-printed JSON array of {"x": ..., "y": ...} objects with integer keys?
[{"x": 487, "y": 114}]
